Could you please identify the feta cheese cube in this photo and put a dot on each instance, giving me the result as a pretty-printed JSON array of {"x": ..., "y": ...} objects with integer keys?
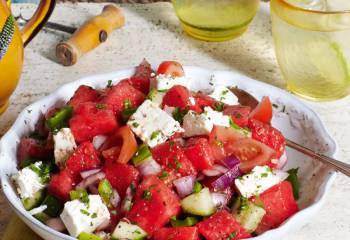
[
  {"x": 28, "y": 181},
  {"x": 201, "y": 124},
  {"x": 64, "y": 145},
  {"x": 169, "y": 110},
  {"x": 223, "y": 94},
  {"x": 259, "y": 180},
  {"x": 153, "y": 125},
  {"x": 84, "y": 217},
  {"x": 196, "y": 124},
  {"x": 218, "y": 118},
  {"x": 165, "y": 82}
]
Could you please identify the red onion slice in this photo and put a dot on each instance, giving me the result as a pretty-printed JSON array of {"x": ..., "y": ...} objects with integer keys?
[
  {"x": 91, "y": 180},
  {"x": 93, "y": 189},
  {"x": 215, "y": 171},
  {"x": 227, "y": 179},
  {"x": 115, "y": 199},
  {"x": 220, "y": 200},
  {"x": 184, "y": 186},
  {"x": 127, "y": 201},
  {"x": 231, "y": 161},
  {"x": 88, "y": 173},
  {"x": 56, "y": 224},
  {"x": 149, "y": 167},
  {"x": 98, "y": 140}
]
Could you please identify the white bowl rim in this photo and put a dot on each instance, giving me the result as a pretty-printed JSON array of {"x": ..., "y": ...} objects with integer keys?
[{"x": 267, "y": 235}]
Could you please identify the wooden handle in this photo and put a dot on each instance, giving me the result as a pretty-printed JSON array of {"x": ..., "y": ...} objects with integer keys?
[{"x": 90, "y": 35}]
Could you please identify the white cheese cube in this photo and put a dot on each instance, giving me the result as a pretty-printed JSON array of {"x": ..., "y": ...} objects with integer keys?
[
  {"x": 259, "y": 180},
  {"x": 201, "y": 124},
  {"x": 223, "y": 94},
  {"x": 153, "y": 125},
  {"x": 169, "y": 110},
  {"x": 218, "y": 118},
  {"x": 64, "y": 145},
  {"x": 84, "y": 217},
  {"x": 197, "y": 124},
  {"x": 28, "y": 181},
  {"x": 165, "y": 82}
]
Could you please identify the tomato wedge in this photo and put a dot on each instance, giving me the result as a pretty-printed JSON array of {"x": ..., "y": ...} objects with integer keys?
[
  {"x": 250, "y": 152},
  {"x": 125, "y": 138},
  {"x": 171, "y": 68},
  {"x": 263, "y": 112}
]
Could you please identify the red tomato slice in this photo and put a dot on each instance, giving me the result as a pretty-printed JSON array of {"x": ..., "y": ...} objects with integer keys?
[
  {"x": 250, "y": 152},
  {"x": 263, "y": 112},
  {"x": 171, "y": 68}
]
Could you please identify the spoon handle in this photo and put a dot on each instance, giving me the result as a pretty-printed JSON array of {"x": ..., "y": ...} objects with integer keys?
[{"x": 340, "y": 166}]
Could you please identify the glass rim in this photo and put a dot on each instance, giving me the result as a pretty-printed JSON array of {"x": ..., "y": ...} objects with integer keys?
[{"x": 294, "y": 7}]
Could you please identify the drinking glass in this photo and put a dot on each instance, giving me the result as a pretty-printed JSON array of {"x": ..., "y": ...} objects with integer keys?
[
  {"x": 312, "y": 44},
  {"x": 217, "y": 20}
]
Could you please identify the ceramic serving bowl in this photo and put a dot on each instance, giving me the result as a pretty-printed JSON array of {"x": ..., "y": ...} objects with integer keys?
[{"x": 291, "y": 116}]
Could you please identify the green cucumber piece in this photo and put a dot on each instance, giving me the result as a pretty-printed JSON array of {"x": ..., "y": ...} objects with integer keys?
[
  {"x": 249, "y": 215},
  {"x": 54, "y": 206},
  {"x": 60, "y": 119},
  {"x": 88, "y": 236},
  {"x": 128, "y": 231},
  {"x": 142, "y": 154},
  {"x": 35, "y": 201},
  {"x": 105, "y": 190},
  {"x": 199, "y": 203},
  {"x": 293, "y": 179},
  {"x": 42, "y": 217}
]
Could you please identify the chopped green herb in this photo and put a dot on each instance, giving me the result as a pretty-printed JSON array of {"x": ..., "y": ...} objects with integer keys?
[
  {"x": 243, "y": 204},
  {"x": 147, "y": 195},
  {"x": 264, "y": 175},
  {"x": 128, "y": 110},
  {"x": 152, "y": 94},
  {"x": 163, "y": 175},
  {"x": 83, "y": 211},
  {"x": 100, "y": 106},
  {"x": 94, "y": 215},
  {"x": 274, "y": 105},
  {"x": 197, "y": 187},
  {"x": 132, "y": 188},
  {"x": 177, "y": 164},
  {"x": 80, "y": 195},
  {"x": 179, "y": 114},
  {"x": 142, "y": 153},
  {"x": 155, "y": 134},
  {"x": 43, "y": 171},
  {"x": 219, "y": 106},
  {"x": 232, "y": 235},
  {"x": 109, "y": 84},
  {"x": 293, "y": 179},
  {"x": 238, "y": 115},
  {"x": 135, "y": 124}
]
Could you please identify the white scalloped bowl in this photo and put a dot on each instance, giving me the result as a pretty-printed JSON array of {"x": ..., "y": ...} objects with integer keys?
[{"x": 292, "y": 117}]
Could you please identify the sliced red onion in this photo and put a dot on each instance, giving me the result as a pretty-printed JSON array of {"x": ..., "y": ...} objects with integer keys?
[
  {"x": 127, "y": 201},
  {"x": 227, "y": 179},
  {"x": 56, "y": 224},
  {"x": 219, "y": 199},
  {"x": 103, "y": 225},
  {"x": 282, "y": 161},
  {"x": 232, "y": 161},
  {"x": 184, "y": 186},
  {"x": 115, "y": 199},
  {"x": 149, "y": 167},
  {"x": 200, "y": 177},
  {"x": 215, "y": 171},
  {"x": 93, "y": 189},
  {"x": 91, "y": 180},
  {"x": 98, "y": 140},
  {"x": 88, "y": 173}
]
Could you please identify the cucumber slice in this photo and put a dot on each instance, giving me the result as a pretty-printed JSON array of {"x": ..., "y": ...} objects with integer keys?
[
  {"x": 35, "y": 201},
  {"x": 88, "y": 236},
  {"x": 54, "y": 206},
  {"x": 42, "y": 217},
  {"x": 199, "y": 203},
  {"x": 128, "y": 231},
  {"x": 249, "y": 215}
]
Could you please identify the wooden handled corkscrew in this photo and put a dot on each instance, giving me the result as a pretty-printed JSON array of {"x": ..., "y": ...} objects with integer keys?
[{"x": 90, "y": 35}]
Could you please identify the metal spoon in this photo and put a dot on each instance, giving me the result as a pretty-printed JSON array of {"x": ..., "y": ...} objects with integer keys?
[{"x": 246, "y": 99}]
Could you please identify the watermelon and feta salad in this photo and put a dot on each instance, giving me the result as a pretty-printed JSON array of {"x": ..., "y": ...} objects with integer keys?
[{"x": 147, "y": 158}]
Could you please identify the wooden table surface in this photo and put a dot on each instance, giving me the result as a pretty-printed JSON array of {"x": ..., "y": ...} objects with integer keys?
[{"x": 153, "y": 31}]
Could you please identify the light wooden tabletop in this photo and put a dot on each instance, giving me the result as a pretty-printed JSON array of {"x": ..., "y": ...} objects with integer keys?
[{"x": 153, "y": 31}]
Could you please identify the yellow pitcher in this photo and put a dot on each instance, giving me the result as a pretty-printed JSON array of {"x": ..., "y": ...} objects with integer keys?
[{"x": 12, "y": 41}]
